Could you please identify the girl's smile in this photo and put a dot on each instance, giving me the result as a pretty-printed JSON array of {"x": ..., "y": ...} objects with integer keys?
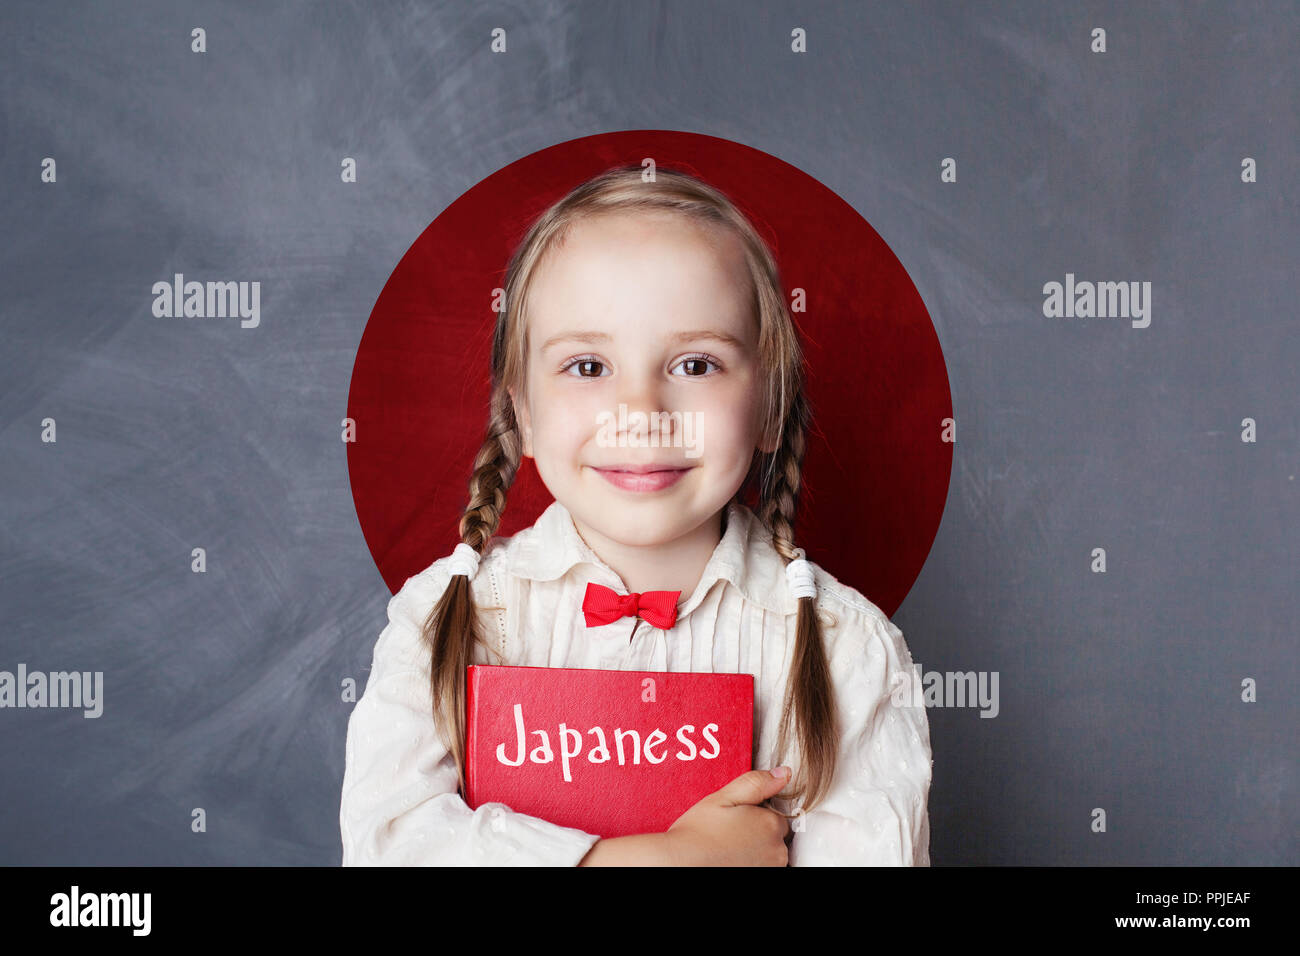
[{"x": 642, "y": 477}]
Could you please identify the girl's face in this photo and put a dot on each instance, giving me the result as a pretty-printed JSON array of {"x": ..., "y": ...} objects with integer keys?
[{"x": 648, "y": 315}]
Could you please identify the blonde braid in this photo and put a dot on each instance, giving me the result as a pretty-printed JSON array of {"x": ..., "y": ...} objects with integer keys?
[
  {"x": 810, "y": 693},
  {"x": 452, "y": 629}
]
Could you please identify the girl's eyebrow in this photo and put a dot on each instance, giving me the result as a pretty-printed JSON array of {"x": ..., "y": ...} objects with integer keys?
[{"x": 694, "y": 335}]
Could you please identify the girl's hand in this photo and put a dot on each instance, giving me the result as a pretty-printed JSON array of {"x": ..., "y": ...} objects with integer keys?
[{"x": 729, "y": 828}]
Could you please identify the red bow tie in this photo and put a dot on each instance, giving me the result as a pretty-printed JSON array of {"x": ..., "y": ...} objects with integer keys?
[{"x": 602, "y": 605}]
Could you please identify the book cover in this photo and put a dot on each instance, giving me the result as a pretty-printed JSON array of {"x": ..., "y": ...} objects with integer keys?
[{"x": 610, "y": 752}]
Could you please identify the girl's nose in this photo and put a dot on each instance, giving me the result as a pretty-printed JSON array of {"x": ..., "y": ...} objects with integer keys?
[
  {"x": 641, "y": 397},
  {"x": 650, "y": 399}
]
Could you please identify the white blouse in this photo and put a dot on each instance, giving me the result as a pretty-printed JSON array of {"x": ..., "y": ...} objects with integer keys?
[{"x": 400, "y": 804}]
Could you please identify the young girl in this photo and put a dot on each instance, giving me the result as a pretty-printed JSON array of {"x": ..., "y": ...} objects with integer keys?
[{"x": 647, "y": 297}]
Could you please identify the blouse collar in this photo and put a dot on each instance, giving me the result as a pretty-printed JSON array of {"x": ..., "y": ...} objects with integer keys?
[{"x": 745, "y": 557}]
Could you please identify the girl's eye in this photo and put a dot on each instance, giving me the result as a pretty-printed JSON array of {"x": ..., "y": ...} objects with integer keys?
[
  {"x": 698, "y": 363},
  {"x": 584, "y": 365}
]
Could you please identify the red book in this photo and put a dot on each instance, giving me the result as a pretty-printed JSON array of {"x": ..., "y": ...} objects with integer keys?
[{"x": 608, "y": 752}]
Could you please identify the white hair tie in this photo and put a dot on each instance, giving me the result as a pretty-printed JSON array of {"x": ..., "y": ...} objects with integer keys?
[
  {"x": 800, "y": 575},
  {"x": 464, "y": 560}
]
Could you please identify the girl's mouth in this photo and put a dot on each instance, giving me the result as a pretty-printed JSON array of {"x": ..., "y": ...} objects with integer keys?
[{"x": 642, "y": 481}]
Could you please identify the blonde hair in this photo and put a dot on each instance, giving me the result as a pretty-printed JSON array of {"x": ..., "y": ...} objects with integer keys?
[{"x": 453, "y": 629}]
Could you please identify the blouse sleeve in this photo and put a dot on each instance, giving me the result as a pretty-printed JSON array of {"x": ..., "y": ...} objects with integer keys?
[
  {"x": 876, "y": 812},
  {"x": 400, "y": 805}
]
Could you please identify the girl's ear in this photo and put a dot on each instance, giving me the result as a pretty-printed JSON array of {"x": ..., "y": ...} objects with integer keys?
[
  {"x": 525, "y": 423},
  {"x": 767, "y": 443}
]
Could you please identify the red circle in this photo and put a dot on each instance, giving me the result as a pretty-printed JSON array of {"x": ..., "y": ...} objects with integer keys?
[{"x": 876, "y": 470}]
